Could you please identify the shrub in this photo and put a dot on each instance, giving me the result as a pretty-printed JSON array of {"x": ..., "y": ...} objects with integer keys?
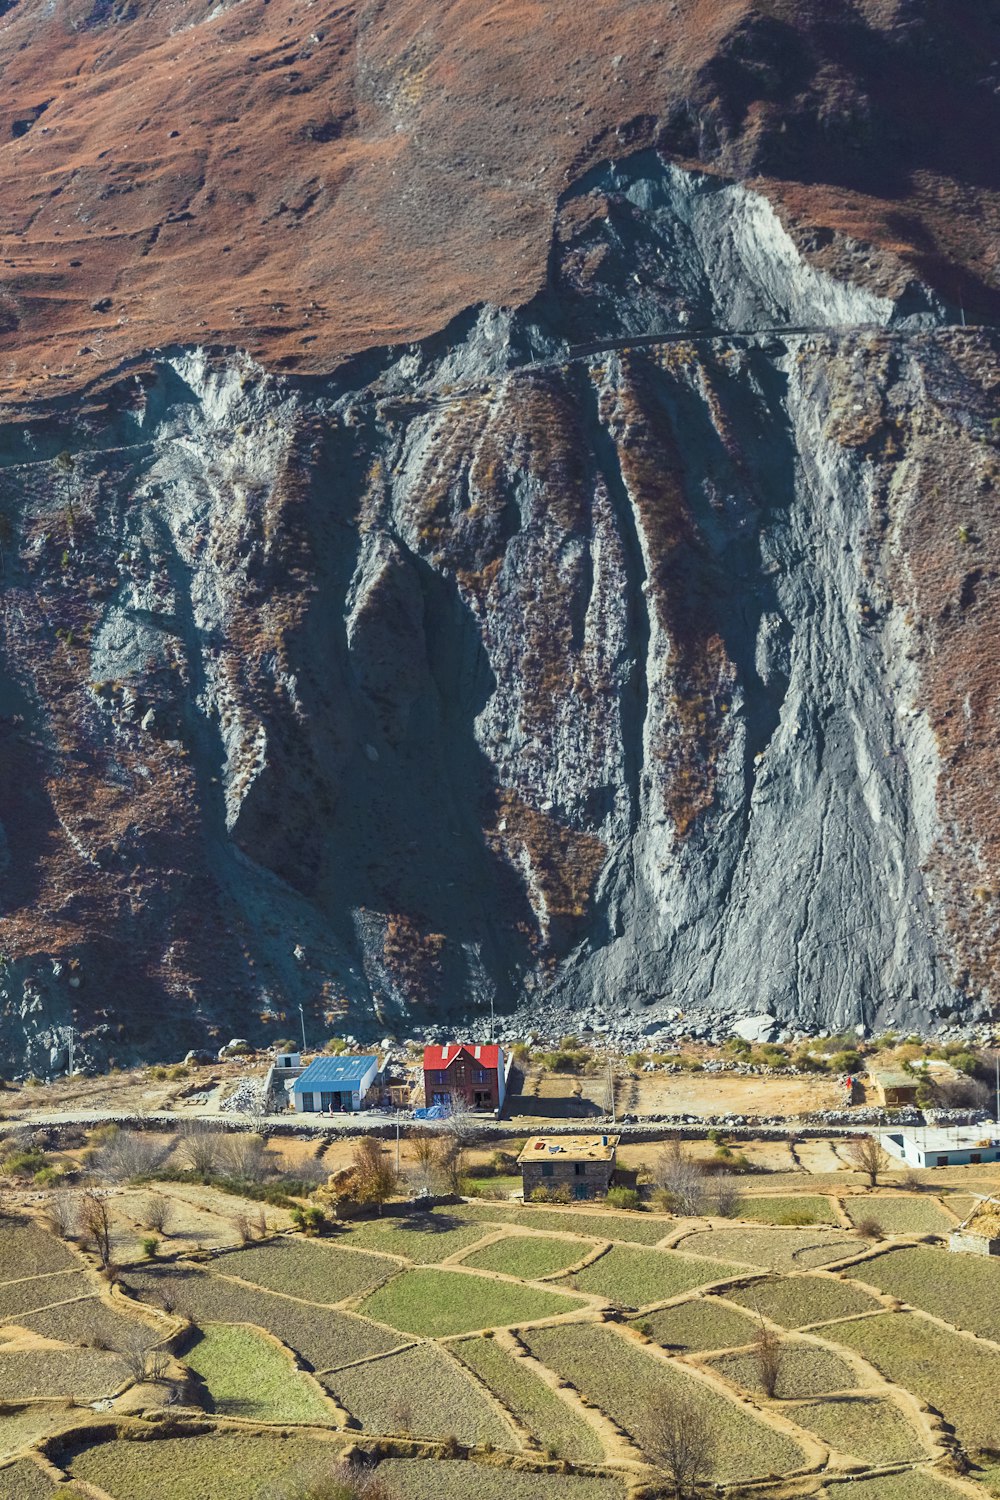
[
  {"x": 46, "y": 1177},
  {"x": 311, "y": 1221},
  {"x": 25, "y": 1163},
  {"x": 870, "y": 1229},
  {"x": 623, "y": 1197},
  {"x": 846, "y": 1062},
  {"x": 150, "y": 1245}
]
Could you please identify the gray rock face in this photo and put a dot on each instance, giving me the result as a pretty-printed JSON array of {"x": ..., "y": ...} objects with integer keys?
[{"x": 578, "y": 661}]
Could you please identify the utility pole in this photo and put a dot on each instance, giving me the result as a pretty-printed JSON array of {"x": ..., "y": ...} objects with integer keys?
[
  {"x": 996, "y": 1060},
  {"x": 303, "y": 1020},
  {"x": 611, "y": 1093},
  {"x": 72, "y": 1033},
  {"x": 492, "y": 1026},
  {"x": 397, "y": 1142}
]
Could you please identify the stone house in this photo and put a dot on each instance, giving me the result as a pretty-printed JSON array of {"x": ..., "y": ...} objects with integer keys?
[{"x": 585, "y": 1164}]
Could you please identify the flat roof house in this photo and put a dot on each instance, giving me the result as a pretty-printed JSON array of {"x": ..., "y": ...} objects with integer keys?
[
  {"x": 464, "y": 1070},
  {"x": 894, "y": 1088},
  {"x": 585, "y": 1164},
  {"x": 935, "y": 1146},
  {"x": 337, "y": 1085}
]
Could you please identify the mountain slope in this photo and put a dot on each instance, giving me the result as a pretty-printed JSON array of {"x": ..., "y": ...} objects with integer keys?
[{"x": 621, "y": 647}]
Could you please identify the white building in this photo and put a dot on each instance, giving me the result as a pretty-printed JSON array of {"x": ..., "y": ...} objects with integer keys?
[{"x": 944, "y": 1146}]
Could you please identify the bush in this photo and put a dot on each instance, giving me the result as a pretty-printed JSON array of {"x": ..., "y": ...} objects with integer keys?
[
  {"x": 870, "y": 1229},
  {"x": 636, "y": 1060},
  {"x": 846, "y": 1062},
  {"x": 46, "y": 1177},
  {"x": 150, "y": 1245},
  {"x": 311, "y": 1220},
  {"x": 25, "y": 1163},
  {"x": 623, "y": 1197}
]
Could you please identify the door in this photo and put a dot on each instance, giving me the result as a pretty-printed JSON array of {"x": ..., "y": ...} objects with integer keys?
[
  {"x": 308, "y": 1103},
  {"x": 580, "y": 1190},
  {"x": 327, "y": 1101},
  {"x": 481, "y": 1100}
]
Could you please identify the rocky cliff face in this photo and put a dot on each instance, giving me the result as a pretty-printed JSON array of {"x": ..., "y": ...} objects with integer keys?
[{"x": 627, "y": 653}]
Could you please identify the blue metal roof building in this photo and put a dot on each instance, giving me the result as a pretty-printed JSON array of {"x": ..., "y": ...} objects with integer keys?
[{"x": 334, "y": 1085}]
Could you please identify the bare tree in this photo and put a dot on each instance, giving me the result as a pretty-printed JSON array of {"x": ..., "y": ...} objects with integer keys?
[
  {"x": 461, "y": 1123},
  {"x": 424, "y": 1146},
  {"x": 62, "y": 1215},
  {"x": 126, "y": 1156},
  {"x": 727, "y": 1198},
  {"x": 866, "y": 1153},
  {"x": 682, "y": 1178},
  {"x": 155, "y": 1212},
  {"x": 254, "y": 1112},
  {"x": 143, "y": 1359},
  {"x": 768, "y": 1355},
  {"x": 199, "y": 1146},
  {"x": 95, "y": 1225},
  {"x": 243, "y": 1156},
  {"x": 452, "y": 1163},
  {"x": 375, "y": 1176},
  {"x": 680, "y": 1443}
]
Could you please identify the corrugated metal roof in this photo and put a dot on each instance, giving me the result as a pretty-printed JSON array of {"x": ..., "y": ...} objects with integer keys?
[
  {"x": 334, "y": 1072},
  {"x": 443, "y": 1057}
]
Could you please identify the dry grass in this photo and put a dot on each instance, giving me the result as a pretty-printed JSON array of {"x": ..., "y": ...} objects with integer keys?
[
  {"x": 422, "y": 1480},
  {"x": 900, "y": 1215},
  {"x": 424, "y": 1237}
]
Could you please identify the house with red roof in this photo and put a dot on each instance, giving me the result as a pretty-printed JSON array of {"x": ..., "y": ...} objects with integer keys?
[{"x": 463, "y": 1070}]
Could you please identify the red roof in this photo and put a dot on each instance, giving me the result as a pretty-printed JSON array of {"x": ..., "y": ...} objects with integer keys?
[{"x": 437, "y": 1058}]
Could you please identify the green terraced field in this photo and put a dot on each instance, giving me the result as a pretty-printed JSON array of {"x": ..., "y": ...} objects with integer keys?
[
  {"x": 806, "y": 1370},
  {"x": 796, "y": 1301},
  {"x": 962, "y": 1289},
  {"x": 241, "y": 1466},
  {"x": 246, "y": 1376},
  {"x": 901, "y": 1215},
  {"x": 701, "y": 1324},
  {"x": 322, "y": 1337},
  {"x": 638, "y": 1277},
  {"x": 797, "y": 1209},
  {"x": 867, "y": 1428},
  {"x": 528, "y": 1256},
  {"x": 637, "y": 1229},
  {"x": 948, "y": 1371},
  {"x": 420, "y": 1480},
  {"x": 423, "y": 1393},
  {"x": 774, "y": 1249},
  {"x": 433, "y": 1303},
  {"x": 301, "y": 1268},
  {"x": 557, "y": 1428},
  {"x": 424, "y": 1237}
]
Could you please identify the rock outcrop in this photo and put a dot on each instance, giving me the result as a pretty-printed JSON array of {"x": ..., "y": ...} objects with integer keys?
[{"x": 626, "y": 653}]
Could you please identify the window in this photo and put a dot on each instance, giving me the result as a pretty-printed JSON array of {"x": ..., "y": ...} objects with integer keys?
[
  {"x": 441, "y": 1077},
  {"x": 580, "y": 1169},
  {"x": 548, "y": 1170},
  {"x": 480, "y": 1075},
  {"x": 942, "y": 1161}
]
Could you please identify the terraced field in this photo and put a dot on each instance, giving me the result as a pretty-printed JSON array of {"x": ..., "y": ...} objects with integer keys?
[
  {"x": 393, "y": 1335},
  {"x": 631, "y": 1385}
]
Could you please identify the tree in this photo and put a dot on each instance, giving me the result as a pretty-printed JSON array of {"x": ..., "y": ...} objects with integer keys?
[
  {"x": 200, "y": 1146},
  {"x": 62, "y": 1215},
  {"x": 768, "y": 1355},
  {"x": 95, "y": 1225},
  {"x": 681, "y": 1178},
  {"x": 728, "y": 1198},
  {"x": 865, "y": 1152},
  {"x": 424, "y": 1148},
  {"x": 461, "y": 1123},
  {"x": 127, "y": 1155},
  {"x": 155, "y": 1212},
  {"x": 375, "y": 1175},
  {"x": 452, "y": 1163},
  {"x": 680, "y": 1443},
  {"x": 143, "y": 1359}
]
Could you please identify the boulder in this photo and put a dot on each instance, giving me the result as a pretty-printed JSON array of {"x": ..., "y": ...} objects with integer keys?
[{"x": 756, "y": 1028}]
